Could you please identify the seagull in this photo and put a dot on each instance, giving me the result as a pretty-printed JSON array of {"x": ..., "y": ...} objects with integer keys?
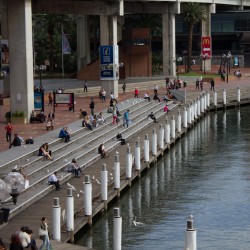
[
  {"x": 66, "y": 160},
  {"x": 127, "y": 100},
  {"x": 81, "y": 192},
  {"x": 127, "y": 144},
  {"x": 27, "y": 159},
  {"x": 98, "y": 182},
  {"x": 139, "y": 138},
  {"x": 137, "y": 223},
  {"x": 47, "y": 170},
  {"x": 71, "y": 186},
  {"x": 111, "y": 174},
  {"x": 77, "y": 195},
  {"x": 15, "y": 167},
  {"x": 122, "y": 103},
  {"x": 93, "y": 177},
  {"x": 111, "y": 178},
  {"x": 117, "y": 152},
  {"x": 62, "y": 176}
]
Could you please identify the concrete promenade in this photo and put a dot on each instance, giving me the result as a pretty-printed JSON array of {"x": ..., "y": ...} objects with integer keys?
[{"x": 63, "y": 117}]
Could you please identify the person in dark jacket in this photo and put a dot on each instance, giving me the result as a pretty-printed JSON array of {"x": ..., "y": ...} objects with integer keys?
[
  {"x": 92, "y": 106},
  {"x": 16, "y": 141},
  {"x": 64, "y": 134}
]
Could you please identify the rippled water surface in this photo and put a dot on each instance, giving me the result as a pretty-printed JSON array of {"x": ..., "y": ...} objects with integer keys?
[{"x": 207, "y": 174}]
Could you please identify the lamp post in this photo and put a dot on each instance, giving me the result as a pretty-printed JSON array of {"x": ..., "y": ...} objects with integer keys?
[
  {"x": 178, "y": 61},
  {"x": 12, "y": 185},
  {"x": 204, "y": 58},
  {"x": 40, "y": 69},
  {"x": 228, "y": 57}
]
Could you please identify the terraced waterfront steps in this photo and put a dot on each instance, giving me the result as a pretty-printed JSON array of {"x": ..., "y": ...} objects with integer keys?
[{"x": 83, "y": 148}]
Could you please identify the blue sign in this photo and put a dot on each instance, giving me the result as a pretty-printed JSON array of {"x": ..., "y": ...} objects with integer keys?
[
  {"x": 38, "y": 100},
  {"x": 109, "y": 62},
  {"x": 236, "y": 61}
]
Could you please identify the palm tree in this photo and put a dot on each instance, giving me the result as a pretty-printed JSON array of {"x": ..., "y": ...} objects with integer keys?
[{"x": 193, "y": 13}]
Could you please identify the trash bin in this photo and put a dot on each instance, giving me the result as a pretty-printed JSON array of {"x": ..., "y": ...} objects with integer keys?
[
  {"x": 6, "y": 212},
  {"x": 184, "y": 84}
]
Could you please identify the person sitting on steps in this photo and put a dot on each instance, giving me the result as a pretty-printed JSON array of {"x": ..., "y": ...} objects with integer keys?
[
  {"x": 152, "y": 116},
  {"x": 102, "y": 152}
]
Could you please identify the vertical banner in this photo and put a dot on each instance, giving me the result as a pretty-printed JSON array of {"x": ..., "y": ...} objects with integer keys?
[
  {"x": 5, "y": 57},
  {"x": 206, "y": 48},
  {"x": 39, "y": 101},
  {"x": 109, "y": 62}
]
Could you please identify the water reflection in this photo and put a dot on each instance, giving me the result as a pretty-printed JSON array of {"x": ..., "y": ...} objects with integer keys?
[{"x": 207, "y": 174}]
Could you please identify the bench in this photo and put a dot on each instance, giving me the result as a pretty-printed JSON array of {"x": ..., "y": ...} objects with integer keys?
[{"x": 38, "y": 118}]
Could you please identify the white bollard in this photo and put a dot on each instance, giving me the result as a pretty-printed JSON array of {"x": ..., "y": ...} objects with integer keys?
[
  {"x": 179, "y": 121},
  {"x": 208, "y": 101},
  {"x": 146, "y": 148},
  {"x": 117, "y": 227},
  {"x": 70, "y": 210},
  {"x": 215, "y": 99},
  {"x": 56, "y": 220},
  {"x": 87, "y": 196},
  {"x": 190, "y": 239},
  {"x": 154, "y": 142},
  {"x": 161, "y": 137},
  {"x": 205, "y": 102},
  {"x": 104, "y": 183},
  {"x": 224, "y": 93},
  {"x": 238, "y": 94},
  {"x": 173, "y": 127},
  {"x": 185, "y": 117},
  {"x": 188, "y": 114},
  {"x": 137, "y": 156},
  {"x": 117, "y": 172},
  {"x": 195, "y": 110},
  {"x": 198, "y": 107},
  {"x": 167, "y": 132},
  {"x": 192, "y": 112},
  {"x": 128, "y": 164},
  {"x": 202, "y": 103}
]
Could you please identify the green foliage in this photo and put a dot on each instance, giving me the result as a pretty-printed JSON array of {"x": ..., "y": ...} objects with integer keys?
[
  {"x": 157, "y": 61},
  {"x": 8, "y": 115},
  {"x": 47, "y": 30},
  {"x": 18, "y": 114}
]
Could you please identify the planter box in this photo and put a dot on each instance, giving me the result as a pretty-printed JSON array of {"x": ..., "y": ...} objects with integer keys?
[{"x": 18, "y": 120}]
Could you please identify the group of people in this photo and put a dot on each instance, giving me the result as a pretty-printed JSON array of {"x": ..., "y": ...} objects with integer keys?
[{"x": 23, "y": 239}]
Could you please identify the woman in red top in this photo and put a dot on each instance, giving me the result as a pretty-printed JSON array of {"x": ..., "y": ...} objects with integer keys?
[
  {"x": 9, "y": 129},
  {"x": 136, "y": 92}
]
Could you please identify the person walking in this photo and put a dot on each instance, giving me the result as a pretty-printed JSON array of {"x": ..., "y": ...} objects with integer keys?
[
  {"x": 212, "y": 85},
  {"x": 9, "y": 129},
  {"x": 124, "y": 88},
  {"x": 103, "y": 95},
  {"x": 197, "y": 84},
  {"x": 156, "y": 89},
  {"x": 92, "y": 106},
  {"x": 126, "y": 118},
  {"x": 50, "y": 99},
  {"x": 44, "y": 234},
  {"x": 85, "y": 86}
]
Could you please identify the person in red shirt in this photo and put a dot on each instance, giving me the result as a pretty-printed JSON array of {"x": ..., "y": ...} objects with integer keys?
[
  {"x": 136, "y": 93},
  {"x": 9, "y": 130}
]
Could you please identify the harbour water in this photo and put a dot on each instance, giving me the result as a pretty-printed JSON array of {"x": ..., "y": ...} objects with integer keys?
[{"x": 206, "y": 174}]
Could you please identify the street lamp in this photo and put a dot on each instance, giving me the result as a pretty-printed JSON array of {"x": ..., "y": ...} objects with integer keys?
[
  {"x": 228, "y": 57},
  {"x": 12, "y": 185},
  {"x": 204, "y": 57},
  {"x": 40, "y": 69},
  {"x": 178, "y": 62}
]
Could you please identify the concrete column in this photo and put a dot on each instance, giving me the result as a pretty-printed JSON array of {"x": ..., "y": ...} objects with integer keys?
[
  {"x": 206, "y": 31},
  {"x": 112, "y": 85},
  {"x": 168, "y": 43},
  {"x": 56, "y": 220},
  {"x": 21, "y": 56},
  {"x": 5, "y": 83},
  {"x": 83, "y": 41}
]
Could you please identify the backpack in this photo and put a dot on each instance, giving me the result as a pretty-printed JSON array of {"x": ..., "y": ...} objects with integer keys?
[{"x": 29, "y": 141}]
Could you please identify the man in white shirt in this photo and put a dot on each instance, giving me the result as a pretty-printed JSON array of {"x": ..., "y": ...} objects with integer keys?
[
  {"x": 156, "y": 88},
  {"x": 54, "y": 181},
  {"x": 146, "y": 97}
]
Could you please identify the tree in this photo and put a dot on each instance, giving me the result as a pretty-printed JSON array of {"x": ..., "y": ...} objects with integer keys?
[{"x": 193, "y": 13}]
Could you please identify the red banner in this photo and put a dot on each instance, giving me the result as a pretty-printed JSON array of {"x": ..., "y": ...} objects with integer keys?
[{"x": 206, "y": 48}]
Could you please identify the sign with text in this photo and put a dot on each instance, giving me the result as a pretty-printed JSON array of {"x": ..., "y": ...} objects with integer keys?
[
  {"x": 109, "y": 62},
  {"x": 206, "y": 47},
  {"x": 64, "y": 98}
]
